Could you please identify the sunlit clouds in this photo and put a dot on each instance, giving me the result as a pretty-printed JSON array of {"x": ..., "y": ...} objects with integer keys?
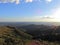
[
  {"x": 10, "y": 1},
  {"x": 48, "y": 1},
  {"x": 53, "y": 17},
  {"x": 26, "y": 1},
  {"x": 55, "y": 14},
  {"x": 17, "y": 1},
  {"x": 30, "y": 10}
]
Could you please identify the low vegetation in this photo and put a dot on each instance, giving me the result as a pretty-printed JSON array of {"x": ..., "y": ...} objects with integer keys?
[{"x": 35, "y": 35}]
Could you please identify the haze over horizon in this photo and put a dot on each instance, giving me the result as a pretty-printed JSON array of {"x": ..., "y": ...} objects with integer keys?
[{"x": 29, "y": 10}]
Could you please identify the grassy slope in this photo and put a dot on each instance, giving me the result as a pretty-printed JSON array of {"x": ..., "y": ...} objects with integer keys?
[{"x": 12, "y": 36}]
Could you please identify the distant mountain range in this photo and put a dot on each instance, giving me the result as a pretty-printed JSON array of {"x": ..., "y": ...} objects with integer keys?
[{"x": 28, "y": 23}]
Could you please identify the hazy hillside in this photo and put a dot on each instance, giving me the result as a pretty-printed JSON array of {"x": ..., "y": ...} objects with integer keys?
[{"x": 44, "y": 32}]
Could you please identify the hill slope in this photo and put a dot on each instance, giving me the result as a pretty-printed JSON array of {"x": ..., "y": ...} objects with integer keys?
[{"x": 12, "y": 36}]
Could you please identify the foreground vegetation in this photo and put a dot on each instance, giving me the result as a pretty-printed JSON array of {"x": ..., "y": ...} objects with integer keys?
[{"x": 13, "y": 36}]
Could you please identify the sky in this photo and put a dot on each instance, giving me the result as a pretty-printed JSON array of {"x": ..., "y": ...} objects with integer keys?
[{"x": 29, "y": 10}]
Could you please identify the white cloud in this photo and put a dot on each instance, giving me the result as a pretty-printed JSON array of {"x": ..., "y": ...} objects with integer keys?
[
  {"x": 10, "y": 1},
  {"x": 48, "y": 1},
  {"x": 28, "y": 0},
  {"x": 17, "y": 1}
]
